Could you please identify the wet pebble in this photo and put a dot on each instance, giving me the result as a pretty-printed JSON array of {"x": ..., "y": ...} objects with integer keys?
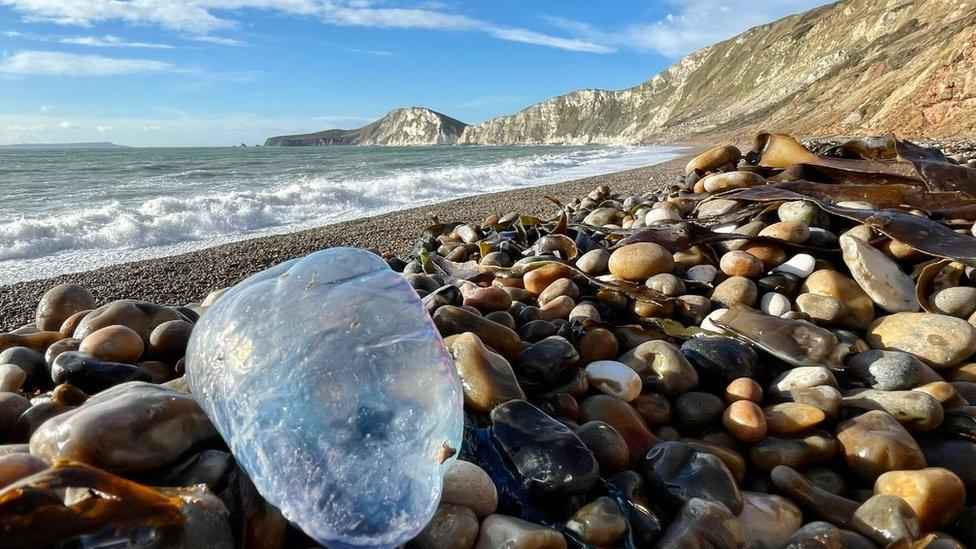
[
  {"x": 791, "y": 417},
  {"x": 614, "y": 378},
  {"x": 608, "y": 447},
  {"x": 623, "y": 418},
  {"x": 768, "y": 520},
  {"x": 890, "y": 370},
  {"x": 886, "y": 519},
  {"x": 599, "y": 522},
  {"x": 548, "y": 456},
  {"x": 874, "y": 443},
  {"x": 735, "y": 290},
  {"x": 451, "y": 527},
  {"x": 745, "y": 420},
  {"x": 680, "y": 473},
  {"x": 487, "y": 378},
  {"x": 720, "y": 360},
  {"x": 131, "y": 428},
  {"x": 662, "y": 367},
  {"x": 935, "y": 494},
  {"x": 704, "y": 523},
  {"x": 506, "y": 531}
]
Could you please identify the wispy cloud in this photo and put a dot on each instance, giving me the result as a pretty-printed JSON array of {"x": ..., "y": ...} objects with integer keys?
[
  {"x": 378, "y": 53},
  {"x": 54, "y": 63},
  {"x": 199, "y": 19},
  {"x": 104, "y": 41},
  {"x": 110, "y": 41},
  {"x": 689, "y": 25}
]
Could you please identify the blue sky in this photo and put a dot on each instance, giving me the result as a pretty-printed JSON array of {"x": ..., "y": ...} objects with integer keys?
[{"x": 222, "y": 72}]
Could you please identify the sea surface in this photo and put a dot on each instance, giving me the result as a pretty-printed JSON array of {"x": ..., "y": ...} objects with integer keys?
[{"x": 66, "y": 211}]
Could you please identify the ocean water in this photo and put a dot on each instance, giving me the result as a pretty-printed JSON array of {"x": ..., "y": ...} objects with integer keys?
[{"x": 67, "y": 211}]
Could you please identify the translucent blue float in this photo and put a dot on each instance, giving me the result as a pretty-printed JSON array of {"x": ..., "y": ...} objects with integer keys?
[{"x": 331, "y": 386}]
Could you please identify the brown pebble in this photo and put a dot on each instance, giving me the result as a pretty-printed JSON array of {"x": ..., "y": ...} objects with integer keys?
[
  {"x": 537, "y": 280},
  {"x": 59, "y": 303},
  {"x": 937, "y": 495},
  {"x": 745, "y": 420},
  {"x": 16, "y": 466},
  {"x": 487, "y": 299},
  {"x": 114, "y": 344},
  {"x": 559, "y": 287},
  {"x": 744, "y": 388},
  {"x": 792, "y": 417},
  {"x": 169, "y": 339},
  {"x": 640, "y": 261},
  {"x": 68, "y": 327},
  {"x": 559, "y": 307},
  {"x": 771, "y": 256},
  {"x": 597, "y": 344},
  {"x": 735, "y": 290},
  {"x": 739, "y": 263}
]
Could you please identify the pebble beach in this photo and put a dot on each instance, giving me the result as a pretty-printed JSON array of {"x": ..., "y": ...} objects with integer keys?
[{"x": 741, "y": 348}]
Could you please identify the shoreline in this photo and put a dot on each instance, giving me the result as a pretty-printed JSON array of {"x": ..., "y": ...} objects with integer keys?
[{"x": 190, "y": 276}]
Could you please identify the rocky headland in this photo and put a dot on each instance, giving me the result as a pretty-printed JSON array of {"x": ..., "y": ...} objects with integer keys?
[{"x": 853, "y": 67}]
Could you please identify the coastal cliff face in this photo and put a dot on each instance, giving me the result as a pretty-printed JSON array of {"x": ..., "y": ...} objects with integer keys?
[
  {"x": 400, "y": 127},
  {"x": 858, "y": 66},
  {"x": 852, "y": 67}
]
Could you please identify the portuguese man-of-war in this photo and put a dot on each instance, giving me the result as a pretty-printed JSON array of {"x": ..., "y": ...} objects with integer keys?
[{"x": 331, "y": 386}]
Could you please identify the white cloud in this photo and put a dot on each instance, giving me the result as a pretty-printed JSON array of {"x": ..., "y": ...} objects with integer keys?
[
  {"x": 65, "y": 125},
  {"x": 110, "y": 41},
  {"x": 104, "y": 129},
  {"x": 690, "y": 24},
  {"x": 53, "y": 63},
  {"x": 201, "y": 19}
]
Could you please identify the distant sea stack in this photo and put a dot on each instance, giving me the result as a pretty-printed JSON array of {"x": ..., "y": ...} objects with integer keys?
[
  {"x": 852, "y": 67},
  {"x": 400, "y": 127}
]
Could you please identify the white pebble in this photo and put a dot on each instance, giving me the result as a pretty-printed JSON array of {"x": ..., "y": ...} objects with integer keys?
[
  {"x": 11, "y": 378},
  {"x": 708, "y": 324},
  {"x": 728, "y": 228},
  {"x": 660, "y": 214},
  {"x": 614, "y": 378},
  {"x": 702, "y": 273},
  {"x": 856, "y": 204},
  {"x": 801, "y": 265},
  {"x": 775, "y": 304}
]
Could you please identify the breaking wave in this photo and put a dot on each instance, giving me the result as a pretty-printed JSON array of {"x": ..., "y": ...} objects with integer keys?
[{"x": 156, "y": 217}]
